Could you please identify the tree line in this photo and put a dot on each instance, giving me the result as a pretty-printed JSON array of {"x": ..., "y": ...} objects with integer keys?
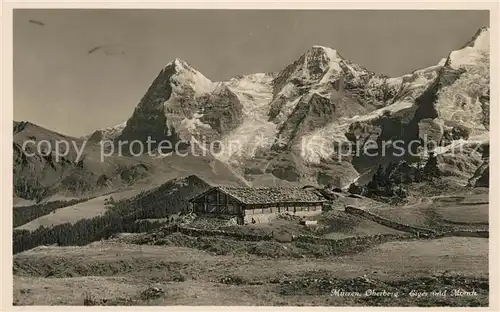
[
  {"x": 82, "y": 232},
  {"x": 390, "y": 183},
  {"x": 24, "y": 214}
]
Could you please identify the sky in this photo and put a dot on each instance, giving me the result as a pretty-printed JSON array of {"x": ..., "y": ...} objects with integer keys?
[{"x": 58, "y": 85}]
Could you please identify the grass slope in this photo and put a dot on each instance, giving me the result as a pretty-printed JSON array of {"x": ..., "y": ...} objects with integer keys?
[{"x": 194, "y": 277}]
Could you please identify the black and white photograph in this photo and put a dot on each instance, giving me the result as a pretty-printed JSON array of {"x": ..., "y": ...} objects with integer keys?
[{"x": 250, "y": 157}]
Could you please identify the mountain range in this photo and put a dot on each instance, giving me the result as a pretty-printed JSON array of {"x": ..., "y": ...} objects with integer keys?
[{"x": 284, "y": 128}]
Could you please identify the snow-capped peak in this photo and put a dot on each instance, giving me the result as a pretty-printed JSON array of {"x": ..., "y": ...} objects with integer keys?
[
  {"x": 480, "y": 39},
  {"x": 313, "y": 65},
  {"x": 179, "y": 64},
  {"x": 187, "y": 75},
  {"x": 320, "y": 56},
  {"x": 472, "y": 51},
  {"x": 330, "y": 53}
]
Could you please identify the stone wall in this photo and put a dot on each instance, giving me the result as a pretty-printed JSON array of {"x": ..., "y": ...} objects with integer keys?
[
  {"x": 413, "y": 229},
  {"x": 386, "y": 222},
  {"x": 205, "y": 232},
  {"x": 464, "y": 233},
  {"x": 339, "y": 246}
]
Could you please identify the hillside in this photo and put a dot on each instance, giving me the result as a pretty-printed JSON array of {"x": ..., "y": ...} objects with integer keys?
[
  {"x": 281, "y": 128},
  {"x": 81, "y": 173},
  {"x": 129, "y": 205}
]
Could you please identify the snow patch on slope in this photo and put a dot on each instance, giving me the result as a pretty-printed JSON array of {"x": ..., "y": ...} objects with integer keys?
[
  {"x": 192, "y": 127},
  {"x": 466, "y": 99},
  {"x": 470, "y": 54},
  {"x": 186, "y": 82},
  {"x": 412, "y": 85},
  {"x": 115, "y": 131},
  {"x": 324, "y": 143},
  {"x": 109, "y": 133},
  {"x": 255, "y": 93},
  {"x": 457, "y": 146},
  {"x": 286, "y": 110}
]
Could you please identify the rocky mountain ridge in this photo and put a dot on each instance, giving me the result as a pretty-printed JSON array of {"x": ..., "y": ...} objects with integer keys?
[{"x": 289, "y": 125}]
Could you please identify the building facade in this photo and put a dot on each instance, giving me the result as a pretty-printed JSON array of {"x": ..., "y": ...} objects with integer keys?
[{"x": 248, "y": 203}]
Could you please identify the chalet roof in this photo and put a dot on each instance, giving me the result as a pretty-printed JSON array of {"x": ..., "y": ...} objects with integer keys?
[{"x": 252, "y": 196}]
